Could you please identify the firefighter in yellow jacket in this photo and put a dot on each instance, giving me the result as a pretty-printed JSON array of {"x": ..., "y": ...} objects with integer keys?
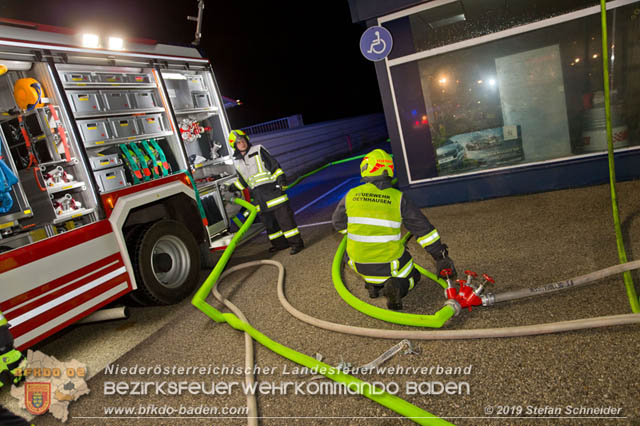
[
  {"x": 261, "y": 173},
  {"x": 372, "y": 215}
]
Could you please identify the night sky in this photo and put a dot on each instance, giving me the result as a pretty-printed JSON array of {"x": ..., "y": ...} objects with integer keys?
[{"x": 278, "y": 58}]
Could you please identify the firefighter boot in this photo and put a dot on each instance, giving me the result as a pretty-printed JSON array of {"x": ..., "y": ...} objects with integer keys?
[
  {"x": 278, "y": 244},
  {"x": 394, "y": 290},
  {"x": 374, "y": 290},
  {"x": 297, "y": 248}
]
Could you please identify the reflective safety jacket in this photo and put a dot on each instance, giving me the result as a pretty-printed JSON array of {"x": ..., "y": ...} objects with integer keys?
[
  {"x": 372, "y": 214},
  {"x": 373, "y": 224},
  {"x": 257, "y": 167},
  {"x": 260, "y": 172}
]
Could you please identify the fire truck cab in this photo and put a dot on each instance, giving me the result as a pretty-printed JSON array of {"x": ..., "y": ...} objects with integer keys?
[{"x": 113, "y": 169}]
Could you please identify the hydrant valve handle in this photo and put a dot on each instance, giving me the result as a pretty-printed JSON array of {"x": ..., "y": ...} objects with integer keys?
[
  {"x": 473, "y": 274},
  {"x": 488, "y": 278},
  {"x": 446, "y": 272}
]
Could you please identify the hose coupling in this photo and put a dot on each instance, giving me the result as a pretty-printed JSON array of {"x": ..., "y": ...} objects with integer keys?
[
  {"x": 488, "y": 299},
  {"x": 455, "y": 305}
]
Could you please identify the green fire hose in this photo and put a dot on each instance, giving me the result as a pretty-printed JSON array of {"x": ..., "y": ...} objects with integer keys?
[
  {"x": 313, "y": 172},
  {"x": 386, "y": 399},
  {"x": 436, "y": 320},
  {"x": 622, "y": 254},
  {"x": 333, "y": 163}
]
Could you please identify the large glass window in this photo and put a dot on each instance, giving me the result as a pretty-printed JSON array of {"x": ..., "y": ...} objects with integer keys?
[
  {"x": 531, "y": 97},
  {"x": 466, "y": 19}
]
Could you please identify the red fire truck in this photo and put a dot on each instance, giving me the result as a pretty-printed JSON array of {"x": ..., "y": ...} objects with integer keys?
[{"x": 114, "y": 159}]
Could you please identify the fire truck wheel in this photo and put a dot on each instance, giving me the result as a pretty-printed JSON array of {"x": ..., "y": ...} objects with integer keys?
[
  {"x": 138, "y": 297},
  {"x": 166, "y": 260}
]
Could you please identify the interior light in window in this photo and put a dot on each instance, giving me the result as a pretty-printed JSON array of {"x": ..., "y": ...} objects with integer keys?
[
  {"x": 595, "y": 55},
  {"x": 577, "y": 60},
  {"x": 443, "y": 80},
  {"x": 480, "y": 81},
  {"x": 492, "y": 82}
]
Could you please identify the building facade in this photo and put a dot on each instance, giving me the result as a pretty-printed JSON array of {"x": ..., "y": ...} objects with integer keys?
[{"x": 487, "y": 98}]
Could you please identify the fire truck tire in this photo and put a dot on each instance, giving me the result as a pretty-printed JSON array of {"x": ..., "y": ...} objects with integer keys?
[
  {"x": 166, "y": 261},
  {"x": 137, "y": 297}
]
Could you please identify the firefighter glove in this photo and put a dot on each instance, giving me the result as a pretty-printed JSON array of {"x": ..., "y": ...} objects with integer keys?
[
  {"x": 443, "y": 261},
  {"x": 12, "y": 363}
]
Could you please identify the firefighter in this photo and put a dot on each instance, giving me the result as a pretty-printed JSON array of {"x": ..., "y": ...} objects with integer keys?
[
  {"x": 371, "y": 215},
  {"x": 261, "y": 173},
  {"x": 11, "y": 361}
]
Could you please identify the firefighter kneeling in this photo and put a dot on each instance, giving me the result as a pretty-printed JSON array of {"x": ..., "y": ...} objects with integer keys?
[{"x": 372, "y": 215}]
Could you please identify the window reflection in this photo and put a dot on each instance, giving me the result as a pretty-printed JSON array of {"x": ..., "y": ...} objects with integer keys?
[{"x": 532, "y": 97}]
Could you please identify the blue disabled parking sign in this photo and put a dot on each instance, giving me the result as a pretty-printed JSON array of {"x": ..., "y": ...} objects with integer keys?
[{"x": 376, "y": 43}]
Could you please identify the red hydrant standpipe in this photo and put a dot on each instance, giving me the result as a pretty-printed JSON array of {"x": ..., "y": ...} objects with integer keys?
[
  {"x": 450, "y": 291},
  {"x": 468, "y": 295}
]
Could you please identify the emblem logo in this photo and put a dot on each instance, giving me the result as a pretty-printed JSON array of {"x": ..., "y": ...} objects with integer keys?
[{"x": 37, "y": 397}]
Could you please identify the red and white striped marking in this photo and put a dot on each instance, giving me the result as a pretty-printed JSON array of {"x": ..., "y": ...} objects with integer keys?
[{"x": 54, "y": 282}]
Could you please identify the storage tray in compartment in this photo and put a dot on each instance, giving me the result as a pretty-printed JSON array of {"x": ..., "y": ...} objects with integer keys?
[
  {"x": 201, "y": 100},
  {"x": 142, "y": 99},
  {"x": 110, "y": 77},
  {"x": 84, "y": 102},
  {"x": 116, "y": 100},
  {"x": 195, "y": 83},
  {"x": 111, "y": 179},
  {"x": 105, "y": 161},
  {"x": 139, "y": 78},
  {"x": 124, "y": 127},
  {"x": 150, "y": 124},
  {"x": 77, "y": 77},
  {"x": 94, "y": 132}
]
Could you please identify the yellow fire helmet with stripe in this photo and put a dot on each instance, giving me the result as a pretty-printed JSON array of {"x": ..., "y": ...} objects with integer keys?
[
  {"x": 28, "y": 93},
  {"x": 234, "y": 135},
  {"x": 376, "y": 163}
]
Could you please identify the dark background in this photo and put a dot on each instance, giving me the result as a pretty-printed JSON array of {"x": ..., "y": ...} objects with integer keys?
[{"x": 278, "y": 58}]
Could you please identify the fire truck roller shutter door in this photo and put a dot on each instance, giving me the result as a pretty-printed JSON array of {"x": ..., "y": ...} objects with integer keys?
[{"x": 166, "y": 261}]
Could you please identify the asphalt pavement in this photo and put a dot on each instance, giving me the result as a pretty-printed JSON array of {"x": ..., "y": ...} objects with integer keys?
[{"x": 522, "y": 241}]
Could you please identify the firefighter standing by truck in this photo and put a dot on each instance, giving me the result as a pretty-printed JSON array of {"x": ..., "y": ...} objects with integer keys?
[
  {"x": 372, "y": 215},
  {"x": 261, "y": 173},
  {"x": 11, "y": 361}
]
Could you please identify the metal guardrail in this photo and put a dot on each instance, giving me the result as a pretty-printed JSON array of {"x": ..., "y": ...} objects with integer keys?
[
  {"x": 290, "y": 122},
  {"x": 302, "y": 149}
]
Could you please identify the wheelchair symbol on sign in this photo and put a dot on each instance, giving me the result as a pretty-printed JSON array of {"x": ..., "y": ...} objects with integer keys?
[
  {"x": 373, "y": 48},
  {"x": 376, "y": 43}
]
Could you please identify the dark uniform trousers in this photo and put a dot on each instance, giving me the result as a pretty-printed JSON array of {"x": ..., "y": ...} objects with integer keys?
[{"x": 280, "y": 219}]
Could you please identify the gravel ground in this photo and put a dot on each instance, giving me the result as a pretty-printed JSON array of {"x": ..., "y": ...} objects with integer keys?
[{"x": 521, "y": 241}]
